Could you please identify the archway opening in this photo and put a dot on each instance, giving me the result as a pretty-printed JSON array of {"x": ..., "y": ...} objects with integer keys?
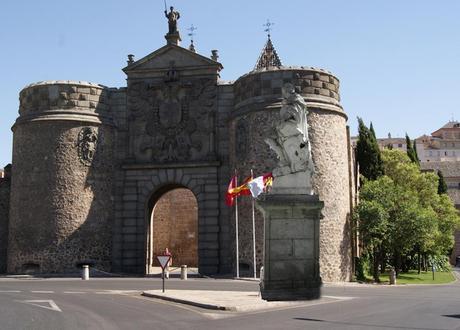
[{"x": 173, "y": 215}]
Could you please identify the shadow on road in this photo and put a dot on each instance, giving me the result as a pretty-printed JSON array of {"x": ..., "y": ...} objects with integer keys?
[
  {"x": 367, "y": 325},
  {"x": 455, "y": 316}
]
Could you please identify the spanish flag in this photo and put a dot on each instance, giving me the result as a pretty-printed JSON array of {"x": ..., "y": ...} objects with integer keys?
[
  {"x": 229, "y": 197},
  {"x": 233, "y": 190},
  {"x": 242, "y": 189}
]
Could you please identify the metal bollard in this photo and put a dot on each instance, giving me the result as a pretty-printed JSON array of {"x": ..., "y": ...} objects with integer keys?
[
  {"x": 183, "y": 272},
  {"x": 85, "y": 273},
  {"x": 392, "y": 276}
]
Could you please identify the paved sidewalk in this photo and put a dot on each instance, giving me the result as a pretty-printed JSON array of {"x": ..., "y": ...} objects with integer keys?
[{"x": 231, "y": 300}]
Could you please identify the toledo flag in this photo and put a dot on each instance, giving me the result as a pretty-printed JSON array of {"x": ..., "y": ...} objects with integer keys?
[{"x": 260, "y": 184}]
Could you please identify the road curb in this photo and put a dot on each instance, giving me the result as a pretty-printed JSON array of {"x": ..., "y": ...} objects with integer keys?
[{"x": 189, "y": 302}]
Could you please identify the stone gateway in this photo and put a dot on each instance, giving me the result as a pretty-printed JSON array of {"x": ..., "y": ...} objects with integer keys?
[{"x": 102, "y": 175}]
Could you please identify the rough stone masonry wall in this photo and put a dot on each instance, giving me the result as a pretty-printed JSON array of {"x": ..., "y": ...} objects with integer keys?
[
  {"x": 4, "y": 214},
  {"x": 256, "y": 113},
  {"x": 248, "y": 150},
  {"x": 331, "y": 181},
  {"x": 61, "y": 202},
  {"x": 226, "y": 239},
  {"x": 119, "y": 113}
]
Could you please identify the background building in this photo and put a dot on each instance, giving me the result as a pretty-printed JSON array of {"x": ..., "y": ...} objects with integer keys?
[
  {"x": 442, "y": 146},
  {"x": 441, "y": 152},
  {"x": 394, "y": 143}
]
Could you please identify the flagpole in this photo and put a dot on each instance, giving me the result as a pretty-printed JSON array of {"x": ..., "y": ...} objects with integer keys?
[
  {"x": 236, "y": 230},
  {"x": 254, "y": 233}
]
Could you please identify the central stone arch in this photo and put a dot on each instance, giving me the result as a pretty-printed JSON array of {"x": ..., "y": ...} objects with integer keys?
[
  {"x": 143, "y": 185},
  {"x": 173, "y": 224}
]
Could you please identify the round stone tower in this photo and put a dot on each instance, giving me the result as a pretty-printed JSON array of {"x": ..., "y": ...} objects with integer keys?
[
  {"x": 257, "y": 103},
  {"x": 62, "y": 178}
]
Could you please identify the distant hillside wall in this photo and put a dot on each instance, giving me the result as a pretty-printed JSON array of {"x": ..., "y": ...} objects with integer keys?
[{"x": 5, "y": 189}]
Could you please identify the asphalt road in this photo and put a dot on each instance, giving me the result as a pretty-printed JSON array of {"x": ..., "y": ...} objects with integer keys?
[{"x": 117, "y": 304}]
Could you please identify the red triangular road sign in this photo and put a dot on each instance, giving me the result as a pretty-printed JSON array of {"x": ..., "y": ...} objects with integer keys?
[{"x": 163, "y": 260}]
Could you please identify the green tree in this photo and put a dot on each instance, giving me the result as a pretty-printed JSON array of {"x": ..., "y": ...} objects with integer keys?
[
  {"x": 401, "y": 214},
  {"x": 372, "y": 212},
  {"x": 372, "y": 131},
  {"x": 414, "y": 148},
  {"x": 411, "y": 151},
  {"x": 368, "y": 153},
  {"x": 442, "y": 185}
]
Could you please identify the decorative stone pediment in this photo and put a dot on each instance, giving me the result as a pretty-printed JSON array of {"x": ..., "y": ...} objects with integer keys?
[{"x": 160, "y": 60}]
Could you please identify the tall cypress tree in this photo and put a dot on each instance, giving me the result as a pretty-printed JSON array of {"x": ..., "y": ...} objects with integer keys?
[
  {"x": 411, "y": 152},
  {"x": 414, "y": 147},
  {"x": 442, "y": 185},
  {"x": 368, "y": 152},
  {"x": 371, "y": 129}
]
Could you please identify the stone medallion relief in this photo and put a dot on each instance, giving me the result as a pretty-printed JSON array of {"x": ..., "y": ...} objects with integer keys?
[{"x": 87, "y": 144}]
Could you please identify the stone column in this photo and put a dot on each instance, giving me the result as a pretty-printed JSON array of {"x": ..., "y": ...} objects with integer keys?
[{"x": 291, "y": 251}]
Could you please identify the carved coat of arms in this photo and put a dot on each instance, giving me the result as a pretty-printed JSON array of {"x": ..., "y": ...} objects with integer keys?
[{"x": 173, "y": 133}]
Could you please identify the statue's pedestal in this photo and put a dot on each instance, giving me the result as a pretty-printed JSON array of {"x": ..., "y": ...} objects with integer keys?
[
  {"x": 291, "y": 260},
  {"x": 173, "y": 38}
]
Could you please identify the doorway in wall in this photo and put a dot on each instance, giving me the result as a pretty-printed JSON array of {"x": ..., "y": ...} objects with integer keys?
[{"x": 173, "y": 224}]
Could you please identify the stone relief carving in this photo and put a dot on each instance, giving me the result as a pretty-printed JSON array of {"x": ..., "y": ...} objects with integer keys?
[
  {"x": 176, "y": 116},
  {"x": 290, "y": 140},
  {"x": 87, "y": 144}
]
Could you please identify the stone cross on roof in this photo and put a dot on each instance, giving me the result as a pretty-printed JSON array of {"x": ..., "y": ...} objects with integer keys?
[
  {"x": 268, "y": 27},
  {"x": 192, "y": 30}
]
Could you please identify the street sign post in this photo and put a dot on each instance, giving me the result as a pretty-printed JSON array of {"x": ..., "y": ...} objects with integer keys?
[{"x": 163, "y": 260}]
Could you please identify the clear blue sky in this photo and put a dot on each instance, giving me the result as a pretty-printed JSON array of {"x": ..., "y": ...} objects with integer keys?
[{"x": 398, "y": 61}]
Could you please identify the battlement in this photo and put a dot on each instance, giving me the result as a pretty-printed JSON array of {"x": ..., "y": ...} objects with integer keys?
[
  {"x": 62, "y": 94},
  {"x": 260, "y": 87},
  {"x": 59, "y": 99}
]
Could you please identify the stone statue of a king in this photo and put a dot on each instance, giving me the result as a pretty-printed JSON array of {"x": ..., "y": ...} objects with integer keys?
[{"x": 291, "y": 144}]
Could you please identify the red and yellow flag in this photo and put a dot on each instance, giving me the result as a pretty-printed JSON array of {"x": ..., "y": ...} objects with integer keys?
[
  {"x": 233, "y": 190},
  {"x": 229, "y": 197}
]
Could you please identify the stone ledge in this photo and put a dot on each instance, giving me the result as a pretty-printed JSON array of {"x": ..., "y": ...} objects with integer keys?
[
  {"x": 66, "y": 116},
  {"x": 286, "y": 68},
  {"x": 64, "y": 82},
  {"x": 131, "y": 167}
]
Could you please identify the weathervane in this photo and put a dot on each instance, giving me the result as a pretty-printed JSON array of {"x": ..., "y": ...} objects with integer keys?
[
  {"x": 192, "y": 30},
  {"x": 268, "y": 27}
]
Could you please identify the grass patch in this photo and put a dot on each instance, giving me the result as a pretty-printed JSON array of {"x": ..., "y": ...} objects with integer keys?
[{"x": 412, "y": 277}]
